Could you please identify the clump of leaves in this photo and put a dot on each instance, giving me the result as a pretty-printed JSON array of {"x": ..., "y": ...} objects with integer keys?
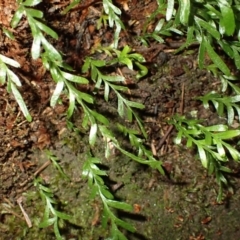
[
  {"x": 13, "y": 81},
  {"x": 211, "y": 24},
  {"x": 113, "y": 13},
  {"x": 55, "y": 162},
  {"x": 37, "y": 28},
  {"x": 51, "y": 215},
  {"x": 94, "y": 174},
  {"x": 211, "y": 143},
  {"x": 222, "y": 104},
  {"x": 113, "y": 82},
  {"x": 51, "y": 58},
  {"x": 112, "y": 16},
  {"x": 164, "y": 27}
]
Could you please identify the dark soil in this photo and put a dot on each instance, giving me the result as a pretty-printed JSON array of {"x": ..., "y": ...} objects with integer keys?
[{"x": 180, "y": 205}]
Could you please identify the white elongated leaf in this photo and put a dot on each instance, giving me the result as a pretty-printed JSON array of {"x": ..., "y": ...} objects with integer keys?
[
  {"x": 31, "y": 3},
  {"x": 99, "y": 82},
  {"x": 3, "y": 73},
  {"x": 217, "y": 156},
  {"x": 175, "y": 30},
  {"x": 106, "y": 6},
  {"x": 216, "y": 104},
  {"x": 17, "y": 16},
  {"x": 234, "y": 153},
  {"x": 57, "y": 92},
  {"x": 84, "y": 96},
  {"x": 209, "y": 27},
  {"x": 222, "y": 178},
  {"x": 114, "y": 8},
  {"x": 135, "y": 104},
  {"x": 115, "y": 78},
  {"x": 178, "y": 139},
  {"x": 20, "y": 102},
  {"x": 51, "y": 51},
  {"x": 230, "y": 114},
  {"x": 170, "y": 8},
  {"x": 235, "y": 98},
  {"x": 9, "y": 61},
  {"x": 216, "y": 59},
  {"x": 13, "y": 77},
  {"x": 119, "y": 205},
  {"x": 157, "y": 37},
  {"x": 93, "y": 134},
  {"x": 220, "y": 149},
  {"x": 71, "y": 107},
  {"x": 106, "y": 92},
  {"x": 185, "y": 11},
  {"x": 159, "y": 25},
  {"x": 47, "y": 29},
  {"x": 74, "y": 78},
  {"x": 217, "y": 128},
  {"x": 36, "y": 46},
  {"x": 202, "y": 156},
  {"x": 120, "y": 107}
]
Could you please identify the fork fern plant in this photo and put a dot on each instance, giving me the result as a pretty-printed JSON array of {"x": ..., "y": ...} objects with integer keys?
[
  {"x": 210, "y": 23},
  {"x": 92, "y": 120},
  {"x": 215, "y": 25},
  {"x": 212, "y": 145}
]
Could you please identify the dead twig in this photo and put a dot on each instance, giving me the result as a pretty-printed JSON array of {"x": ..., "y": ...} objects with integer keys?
[
  {"x": 162, "y": 141},
  {"x": 153, "y": 148},
  {"x": 182, "y": 100},
  {"x": 36, "y": 173},
  {"x": 46, "y": 164},
  {"x": 27, "y": 219}
]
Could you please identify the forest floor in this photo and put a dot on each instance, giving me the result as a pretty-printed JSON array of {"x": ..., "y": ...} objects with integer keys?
[{"x": 180, "y": 205}]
